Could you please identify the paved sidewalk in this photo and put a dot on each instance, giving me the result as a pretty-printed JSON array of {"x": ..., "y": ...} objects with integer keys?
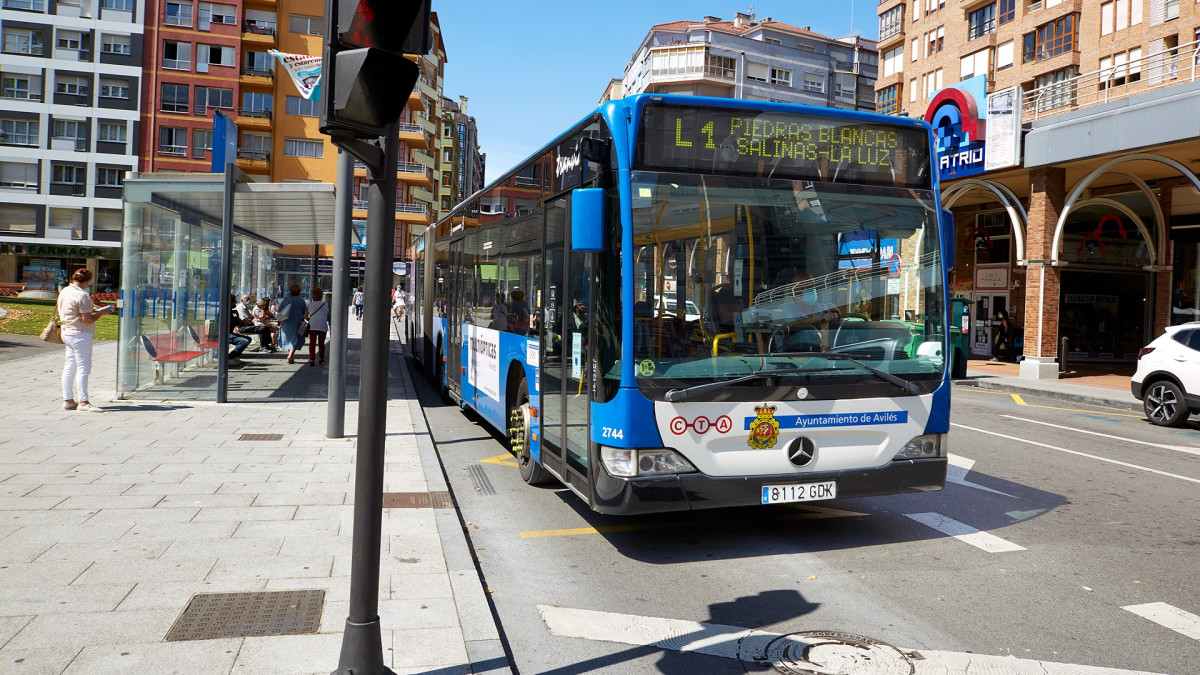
[
  {"x": 111, "y": 522},
  {"x": 1079, "y": 386}
]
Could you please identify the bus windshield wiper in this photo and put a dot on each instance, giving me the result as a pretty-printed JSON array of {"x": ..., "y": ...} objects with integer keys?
[
  {"x": 910, "y": 388},
  {"x": 676, "y": 395}
]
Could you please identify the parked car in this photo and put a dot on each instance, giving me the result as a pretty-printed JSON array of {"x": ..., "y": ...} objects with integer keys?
[{"x": 1167, "y": 380}]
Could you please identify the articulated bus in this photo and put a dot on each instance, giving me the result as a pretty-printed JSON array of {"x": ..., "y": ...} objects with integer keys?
[{"x": 687, "y": 302}]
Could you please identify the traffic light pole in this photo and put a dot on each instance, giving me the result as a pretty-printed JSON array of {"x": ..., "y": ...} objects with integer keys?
[{"x": 362, "y": 646}]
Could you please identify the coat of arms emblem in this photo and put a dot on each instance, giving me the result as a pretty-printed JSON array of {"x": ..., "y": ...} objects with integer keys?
[{"x": 764, "y": 429}]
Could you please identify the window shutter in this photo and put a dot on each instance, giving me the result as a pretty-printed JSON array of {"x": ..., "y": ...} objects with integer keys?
[
  {"x": 1158, "y": 12},
  {"x": 202, "y": 58},
  {"x": 756, "y": 71}
]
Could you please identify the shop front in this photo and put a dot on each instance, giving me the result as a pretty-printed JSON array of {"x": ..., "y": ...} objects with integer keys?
[{"x": 48, "y": 267}]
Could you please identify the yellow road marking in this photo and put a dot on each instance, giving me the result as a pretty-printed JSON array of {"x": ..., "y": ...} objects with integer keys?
[
  {"x": 1018, "y": 399},
  {"x": 810, "y": 513},
  {"x": 966, "y": 390},
  {"x": 503, "y": 460}
]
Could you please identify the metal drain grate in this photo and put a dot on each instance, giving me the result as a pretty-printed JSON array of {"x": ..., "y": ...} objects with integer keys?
[
  {"x": 252, "y": 614},
  {"x": 417, "y": 500},
  {"x": 260, "y": 437}
]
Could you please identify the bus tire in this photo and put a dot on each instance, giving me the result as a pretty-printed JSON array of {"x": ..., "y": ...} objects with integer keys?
[{"x": 519, "y": 438}]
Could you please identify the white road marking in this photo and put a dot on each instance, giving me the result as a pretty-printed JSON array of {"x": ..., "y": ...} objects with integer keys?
[
  {"x": 734, "y": 642},
  {"x": 1180, "y": 448},
  {"x": 1167, "y": 616},
  {"x": 965, "y": 533},
  {"x": 957, "y": 472},
  {"x": 1076, "y": 452}
]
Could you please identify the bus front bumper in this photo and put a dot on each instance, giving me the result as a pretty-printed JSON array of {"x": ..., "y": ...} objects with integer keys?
[{"x": 685, "y": 492}]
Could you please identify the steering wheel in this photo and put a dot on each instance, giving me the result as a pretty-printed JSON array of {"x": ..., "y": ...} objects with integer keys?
[
  {"x": 781, "y": 332},
  {"x": 856, "y": 315}
]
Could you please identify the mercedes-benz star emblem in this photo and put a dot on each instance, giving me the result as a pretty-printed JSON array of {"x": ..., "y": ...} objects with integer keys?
[{"x": 800, "y": 451}]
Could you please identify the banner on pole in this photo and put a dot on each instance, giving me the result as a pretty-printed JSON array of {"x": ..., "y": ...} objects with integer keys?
[{"x": 305, "y": 71}]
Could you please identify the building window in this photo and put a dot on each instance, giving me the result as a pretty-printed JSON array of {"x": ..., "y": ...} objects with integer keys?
[
  {"x": 213, "y": 55},
  {"x": 975, "y": 64},
  {"x": 756, "y": 71},
  {"x": 447, "y": 155},
  {"x": 177, "y": 55},
  {"x": 814, "y": 82},
  {"x": 934, "y": 5},
  {"x": 254, "y": 102},
  {"x": 916, "y": 48},
  {"x": 113, "y": 132},
  {"x": 172, "y": 140},
  {"x": 893, "y": 61},
  {"x": 305, "y": 107},
  {"x": 21, "y": 175},
  {"x": 174, "y": 98},
  {"x": 1004, "y": 55},
  {"x": 26, "y": 5},
  {"x": 258, "y": 62},
  {"x": 178, "y": 13},
  {"x": 1171, "y": 9},
  {"x": 1056, "y": 37},
  {"x": 1056, "y": 89},
  {"x": 71, "y": 85},
  {"x": 1120, "y": 14},
  {"x": 120, "y": 5},
  {"x": 257, "y": 143},
  {"x": 19, "y": 132},
  {"x": 931, "y": 82},
  {"x": 1007, "y": 11},
  {"x": 68, "y": 39},
  {"x": 212, "y": 97},
  {"x": 109, "y": 177},
  {"x": 114, "y": 88},
  {"x": 720, "y": 66},
  {"x": 116, "y": 44},
  {"x": 912, "y": 90},
  {"x": 68, "y": 174},
  {"x": 1121, "y": 68},
  {"x": 890, "y": 21},
  {"x": 23, "y": 41},
  {"x": 24, "y": 87},
  {"x": 212, "y": 13},
  {"x": 308, "y": 25},
  {"x": 72, "y": 130},
  {"x": 887, "y": 100},
  {"x": 202, "y": 140},
  {"x": 301, "y": 147},
  {"x": 936, "y": 39},
  {"x": 781, "y": 77},
  {"x": 445, "y": 180},
  {"x": 981, "y": 22}
]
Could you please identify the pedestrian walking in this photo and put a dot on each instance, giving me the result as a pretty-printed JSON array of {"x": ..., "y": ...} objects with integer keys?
[
  {"x": 78, "y": 316},
  {"x": 358, "y": 303},
  {"x": 291, "y": 313},
  {"x": 317, "y": 314}
]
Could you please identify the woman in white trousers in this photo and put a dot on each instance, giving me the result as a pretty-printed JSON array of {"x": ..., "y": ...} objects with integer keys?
[{"x": 78, "y": 317}]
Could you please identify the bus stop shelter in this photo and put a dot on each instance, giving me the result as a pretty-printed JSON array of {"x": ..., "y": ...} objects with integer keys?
[{"x": 186, "y": 249}]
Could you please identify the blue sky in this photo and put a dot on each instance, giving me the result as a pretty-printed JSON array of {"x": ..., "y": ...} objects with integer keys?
[{"x": 532, "y": 68}]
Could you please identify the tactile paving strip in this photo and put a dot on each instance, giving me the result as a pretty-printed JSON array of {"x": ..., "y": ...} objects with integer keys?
[
  {"x": 252, "y": 614},
  {"x": 418, "y": 500},
  {"x": 260, "y": 437}
]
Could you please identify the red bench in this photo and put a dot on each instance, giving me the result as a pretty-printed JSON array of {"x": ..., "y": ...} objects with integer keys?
[
  {"x": 207, "y": 342},
  {"x": 165, "y": 348}
]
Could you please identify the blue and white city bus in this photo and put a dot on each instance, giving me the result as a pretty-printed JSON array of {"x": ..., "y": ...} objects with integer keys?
[{"x": 688, "y": 302}]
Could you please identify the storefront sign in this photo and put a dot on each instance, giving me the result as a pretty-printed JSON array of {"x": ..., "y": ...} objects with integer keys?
[
  {"x": 62, "y": 251},
  {"x": 991, "y": 278},
  {"x": 959, "y": 117},
  {"x": 1089, "y": 299},
  {"x": 1003, "y": 129}
]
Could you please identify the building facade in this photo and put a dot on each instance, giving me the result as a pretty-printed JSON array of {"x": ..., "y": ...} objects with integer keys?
[
  {"x": 1067, "y": 140},
  {"x": 70, "y": 82},
  {"x": 751, "y": 59},
  {"x": 462, "y": 162}
]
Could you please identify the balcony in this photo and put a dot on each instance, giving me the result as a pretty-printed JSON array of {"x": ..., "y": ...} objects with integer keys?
[
  {"x": 415, "y": 100},
  {"x": 173, "y": 150},
  {"x": 255, "y": 76},
  {"x": 412, "y": 213},
  {"x": 414, "y": 174},
  {"x": 414, "y": 135},
  {"x": 261, "y": 33},
  {"x": 254, "y": 161},
  {"x": 254, "y": 117}
]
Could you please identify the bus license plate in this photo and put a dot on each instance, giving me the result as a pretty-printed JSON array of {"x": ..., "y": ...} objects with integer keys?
[{"x": 805, "y": 492}]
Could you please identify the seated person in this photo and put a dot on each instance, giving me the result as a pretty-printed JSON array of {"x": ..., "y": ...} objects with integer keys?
[
  {"x": 237, "y": 342},
  {"x": 518, "y": 313}
]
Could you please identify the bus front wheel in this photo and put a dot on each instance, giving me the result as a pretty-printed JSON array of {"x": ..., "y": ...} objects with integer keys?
[{"x": 519, "y": 438}]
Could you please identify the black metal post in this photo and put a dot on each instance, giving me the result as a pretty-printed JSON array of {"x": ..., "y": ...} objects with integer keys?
[
  {"x": 339, "y": 320},
  {"x": 362, "y": 648},
  {"x": 1062, "y": 354},
  {"x": 225, "y": 284}
]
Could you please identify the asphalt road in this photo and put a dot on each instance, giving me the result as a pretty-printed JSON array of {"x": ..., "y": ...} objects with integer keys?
[{"x": 1067, "y": 534}]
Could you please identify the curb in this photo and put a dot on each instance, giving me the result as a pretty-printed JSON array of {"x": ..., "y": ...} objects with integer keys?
[
  {"x": 486, "y": 650},
  {"x": 1126, "y": 402}
]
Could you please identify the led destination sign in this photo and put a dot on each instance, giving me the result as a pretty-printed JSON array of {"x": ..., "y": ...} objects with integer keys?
[{"x": 781, "y": 145}]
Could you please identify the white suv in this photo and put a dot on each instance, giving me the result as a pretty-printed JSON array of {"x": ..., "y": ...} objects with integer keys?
[{"x": 1167, "y": 380}]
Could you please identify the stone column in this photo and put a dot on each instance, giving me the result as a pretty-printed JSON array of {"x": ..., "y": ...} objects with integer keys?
[
  {"x": 1047, "y": 193},
  {"x": 1161, "y": 317}
]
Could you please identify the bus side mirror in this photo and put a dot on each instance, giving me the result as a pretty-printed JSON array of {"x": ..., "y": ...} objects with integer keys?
[
  {"x": 947, "y": 233},
  {"x": 587, "y": 220}
]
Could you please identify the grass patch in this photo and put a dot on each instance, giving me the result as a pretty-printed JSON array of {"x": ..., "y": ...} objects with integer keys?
[{"x": 30, "y": 319}]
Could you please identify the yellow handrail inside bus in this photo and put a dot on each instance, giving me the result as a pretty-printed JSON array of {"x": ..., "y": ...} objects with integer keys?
[{"x": 717, "y": 340}]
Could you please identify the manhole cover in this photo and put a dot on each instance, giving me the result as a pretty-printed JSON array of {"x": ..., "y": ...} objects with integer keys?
[
  {"x": 253, "y": 614},
  {"x": 418, "y": 500},
  {"x": 830, "y": 653},
  {"x": 260, "y": 437}
]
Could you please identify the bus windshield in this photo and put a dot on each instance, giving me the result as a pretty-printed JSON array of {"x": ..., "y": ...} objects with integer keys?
[{"x": 822, "y": 281}]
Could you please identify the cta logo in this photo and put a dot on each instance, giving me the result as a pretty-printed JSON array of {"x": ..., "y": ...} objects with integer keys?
[{"x": 701, "y": 425}]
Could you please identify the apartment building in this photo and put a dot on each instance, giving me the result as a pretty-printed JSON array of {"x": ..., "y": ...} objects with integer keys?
[
  {"x": 1067, "y": 140},
  {"x": 751, "y": 59},
  {"x": 462, "y": 162},
  {"x": 70, "y": 80}
]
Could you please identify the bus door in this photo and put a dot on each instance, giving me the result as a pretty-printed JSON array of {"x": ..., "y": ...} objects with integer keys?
[
  {"x": 458, "y": 288},
  {"x": 565, "y": 359}
]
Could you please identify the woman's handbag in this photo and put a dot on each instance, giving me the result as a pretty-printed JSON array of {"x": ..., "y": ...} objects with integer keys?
[
  {"x": 302, "y": 329},
  {"x": 53, "y": 331}
]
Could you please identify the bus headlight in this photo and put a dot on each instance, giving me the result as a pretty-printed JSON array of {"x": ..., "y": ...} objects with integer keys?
[
  {"x": 925, "y": 446},
  {"x": 634, "y": 462}
]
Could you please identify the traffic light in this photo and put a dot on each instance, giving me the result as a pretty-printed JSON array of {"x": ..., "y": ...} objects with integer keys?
[{"x": 367, "y": 80}]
